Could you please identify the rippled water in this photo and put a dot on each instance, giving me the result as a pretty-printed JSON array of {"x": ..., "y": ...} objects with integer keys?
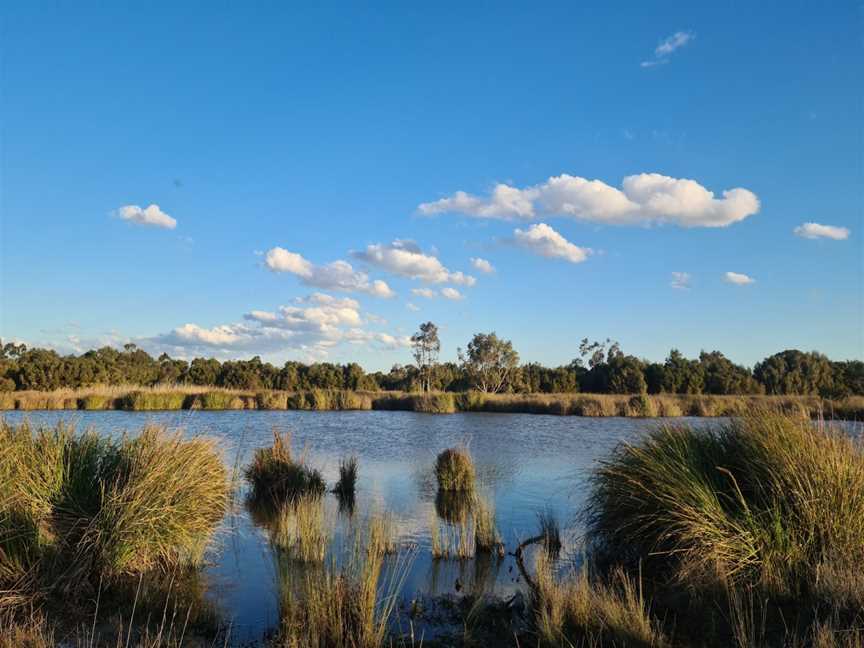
[{"x": 526, "y": 463}]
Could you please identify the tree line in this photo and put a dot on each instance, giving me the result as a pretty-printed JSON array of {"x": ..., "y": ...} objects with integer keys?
[{"x": 488, "y": 364}]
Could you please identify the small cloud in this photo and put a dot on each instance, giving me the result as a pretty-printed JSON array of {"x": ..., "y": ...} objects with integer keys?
[
  {"x": 412, "y": 307},
  {"x": 738, "y": 279},
  {"x": 681, "y": 280},
  {"x": 337, "y": 275},
  {"x": 152, "y": 216},
  {"x": 817, "y": 230},
  {"x": 405, "y": 259},
  {"x": 428, "y": 293},
  {"x": 451, "y": 293},
  {"x": 667, "y": 47},
  {"x": 482, "y": 265},
  {"x": 545, "y": 241}
]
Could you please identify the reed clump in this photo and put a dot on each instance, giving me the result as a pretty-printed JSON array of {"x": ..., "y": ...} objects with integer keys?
[
  {"x": 340, "y": 605},
  {"x": 767, "y": 500},
  {"x": 275, "y": 476},
  {"x": 454, "y": 470},
  {"x": 300, "y": 527},
  {"x": 576, "y": 611},
  {"x": 347, "y": 485},
  {"x": 77, "y": 507}
]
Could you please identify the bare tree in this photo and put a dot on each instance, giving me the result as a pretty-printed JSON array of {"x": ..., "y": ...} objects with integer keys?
[{"x": 427, "y": 346}]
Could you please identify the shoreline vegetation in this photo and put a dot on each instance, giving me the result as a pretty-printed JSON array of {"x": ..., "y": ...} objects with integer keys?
[
  {"x": 185, "y": 397},
  {"x": 748, "y": 533}
]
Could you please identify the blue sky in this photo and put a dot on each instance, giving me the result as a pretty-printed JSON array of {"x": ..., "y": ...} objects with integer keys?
[{"x": 280, "y": 139}]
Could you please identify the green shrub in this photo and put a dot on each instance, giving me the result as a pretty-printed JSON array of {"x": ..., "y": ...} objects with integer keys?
[{"x": 454, "y": 470}]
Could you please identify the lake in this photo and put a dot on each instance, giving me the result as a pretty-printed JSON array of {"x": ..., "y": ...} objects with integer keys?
[{"x": 525, "y": 464}]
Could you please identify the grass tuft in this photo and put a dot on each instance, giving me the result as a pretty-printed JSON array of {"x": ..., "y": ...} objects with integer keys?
[
  {"x": 275, "y": 476},
  {"x": 454, "y": 470}
]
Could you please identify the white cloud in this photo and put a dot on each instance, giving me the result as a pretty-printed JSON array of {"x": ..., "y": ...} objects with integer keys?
[
  {"x": 412, "y": 307},
  {"x": 667, "y": 47},
  {"x": 451, "y": 293},
  {"x": 738, "y": 279},
  {"x": 428, "y": 293},
  {"x": 817, "y": 230},
  {"x": 545, "y": 241},
  {"x": 643, "y": 199},
  {"x": 312, "y": 326},
  {"x": 337, "y": 275},
  {"x": 681, "y": 280},
  {"x": 406, "y": 259},
  {"x": 482, "y": 265},
  {"x": 151, "y": 215}
]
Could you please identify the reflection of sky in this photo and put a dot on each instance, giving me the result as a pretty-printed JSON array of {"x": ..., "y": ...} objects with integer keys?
[{"x": 525, "y": 463}]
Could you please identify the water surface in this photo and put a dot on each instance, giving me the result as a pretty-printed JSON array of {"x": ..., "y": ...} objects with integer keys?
[{"x": 526, "y": 463}]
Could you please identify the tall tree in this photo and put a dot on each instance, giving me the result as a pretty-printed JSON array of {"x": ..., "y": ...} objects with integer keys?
[
  {"x": 426, "y": 346},
  {"x": 489, "y": 362}
]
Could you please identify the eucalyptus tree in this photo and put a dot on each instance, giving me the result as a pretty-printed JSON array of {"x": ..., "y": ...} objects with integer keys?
[
  {"x": 489, "y": 362},
  {"x": 426, "y": 347}
]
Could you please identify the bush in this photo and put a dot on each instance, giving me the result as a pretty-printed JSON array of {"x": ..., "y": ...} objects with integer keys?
[
  {"x": 275, "y": 476},
  {"x": 765, "y": 500},
  {"x": 454, "y": 470},
  {"x": 106, "y": 508}
]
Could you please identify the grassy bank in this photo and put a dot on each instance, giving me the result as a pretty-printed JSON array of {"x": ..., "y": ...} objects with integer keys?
[{"x": 132, "y": 398}]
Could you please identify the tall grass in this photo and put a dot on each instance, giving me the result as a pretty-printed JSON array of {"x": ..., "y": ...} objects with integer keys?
[
  {"x": 78, "y": 506},
  {"x": 454, "y": 470},
  {"x": 577, "y": 611},
  {"x": 346, "y": 486},
  {"x": 300, "y": 527},
  {"x": 343, "y": 604},
  {"x": 275, "y": 475},
  {"x": 766, "y": 500}
]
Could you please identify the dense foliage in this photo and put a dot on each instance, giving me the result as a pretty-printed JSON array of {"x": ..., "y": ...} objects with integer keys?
[{"x": 602, "y": 368}]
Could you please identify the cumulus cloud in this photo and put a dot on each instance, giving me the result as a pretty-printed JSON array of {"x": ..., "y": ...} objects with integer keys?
[
  {"x": 545, "y": 241},
  {"x": 311, "y": 325},
  {"x": 681, "y": 280},
  {"x": 428, "y": 293},
  {"x": 412, "y": 307},
  {"x": 451, "y": 293},
  {"x": 643, "y": 199},
  {"x": 817, "y": 230},
  {"x": 151, "y": 215},
  {"x": 738, "y": 279},
  {"x": 667, "y": 47},
  {"x": 405, "y": 259},
  {"x": 337, "y": 275},
  {"x": 482, "y": 265}
]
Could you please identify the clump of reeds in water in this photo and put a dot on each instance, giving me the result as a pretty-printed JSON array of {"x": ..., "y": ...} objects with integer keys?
[
  {"x": 550, "y": 533},
  {"x": 275, "y": 476},
  {"x": 341, "y": 604},
  {"x": 74, "y": 508},
  {"x": 486, "y": 537},
  {"x": 454, "y": 470},
  {"x": 345, "y": 488},
  {"x": 300, "y": 527},
  {"x": 765, "y": 501}
]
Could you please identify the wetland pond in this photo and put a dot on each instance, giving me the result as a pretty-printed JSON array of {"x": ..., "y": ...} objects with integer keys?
[{"x": 526, "y": 464}]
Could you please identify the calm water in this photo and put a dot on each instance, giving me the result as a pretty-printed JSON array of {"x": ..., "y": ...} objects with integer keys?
[{"x": 526, "y": 463}]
